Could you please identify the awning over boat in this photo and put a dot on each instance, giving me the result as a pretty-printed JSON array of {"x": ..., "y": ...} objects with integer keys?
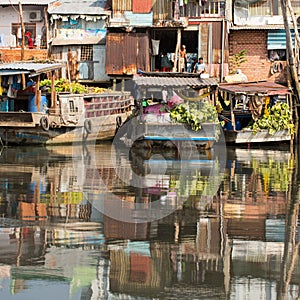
[
  {"x": 254, "y": 88},
  {"x": 174, "y": 81},
  {"x": 31, "y": 68}
]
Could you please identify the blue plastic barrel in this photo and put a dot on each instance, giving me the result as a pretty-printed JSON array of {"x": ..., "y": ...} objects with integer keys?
[
  {"x": 4, "y": 105},
  {"x": 32, "y": 107}
]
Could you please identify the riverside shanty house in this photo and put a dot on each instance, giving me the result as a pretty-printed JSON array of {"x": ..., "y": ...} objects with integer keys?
[
  {"x": 77, "y": 32},
  {"x": 258, "y": 27},
  {"x": 34, "y": 17},
  {"x": 143, "y": 30}
]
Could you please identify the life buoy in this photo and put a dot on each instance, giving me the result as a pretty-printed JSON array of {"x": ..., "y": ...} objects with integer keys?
[
  {"x": 44, "y": 123},
  {"x": 88, "y": 125}
]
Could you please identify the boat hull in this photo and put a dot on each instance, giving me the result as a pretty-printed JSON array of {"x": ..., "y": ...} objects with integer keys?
[
  {"x": 101, "y": 128},
  {"x": 170, "y": 134},
  {"x": 249, "y": 137}
]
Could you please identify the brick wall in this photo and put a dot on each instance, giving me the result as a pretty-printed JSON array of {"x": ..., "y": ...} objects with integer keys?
[
  {"x": 10, "y": 55},
  {"x": 258, "y": 65}
]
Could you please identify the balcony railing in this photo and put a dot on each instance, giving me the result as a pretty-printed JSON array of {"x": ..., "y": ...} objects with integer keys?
[{"x": 208, "y": 9}]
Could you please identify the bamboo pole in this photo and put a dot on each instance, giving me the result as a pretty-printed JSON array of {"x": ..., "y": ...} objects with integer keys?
[
  {"x": 38, "y": 93},
  {"x": 22, "y": 30},
  {"x": 290, "y": 53},
  {"x": 177, "y": 50}
]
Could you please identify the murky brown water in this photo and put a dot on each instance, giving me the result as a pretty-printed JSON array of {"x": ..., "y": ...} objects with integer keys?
[{"x": 201, "y": 230}]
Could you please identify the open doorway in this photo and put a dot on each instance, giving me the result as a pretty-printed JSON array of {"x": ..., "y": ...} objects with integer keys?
[{"x": 167, "y": 45}]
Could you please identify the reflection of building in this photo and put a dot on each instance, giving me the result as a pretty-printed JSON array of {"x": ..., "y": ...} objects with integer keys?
[{"x": 40, "y": 185}]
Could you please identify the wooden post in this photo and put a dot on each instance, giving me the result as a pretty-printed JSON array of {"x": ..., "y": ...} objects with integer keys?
[
  {"x": 290, "y": 53},
  {"x": 53, "y": 92},
  {"x": 38, "y": 93},
  {"x": 178, "y": 45},
  {"x": 22, "y": 29}
]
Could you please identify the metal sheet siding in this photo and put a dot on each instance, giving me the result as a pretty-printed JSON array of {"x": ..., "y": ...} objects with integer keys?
[
  {"x": 139, "y": 19},
  {"x": 121, "y": 5},
  {"x": 277, "y": 39},
  {"x": 162, "y": 9},
  {"x": 217, "y": 35},
  {"x": 143, "y": 55},
  {"x": 141, "y": 6},
  {"x": 126, "y": 53}
]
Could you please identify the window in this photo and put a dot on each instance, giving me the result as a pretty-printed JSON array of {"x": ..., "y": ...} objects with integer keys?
[
  {"x": 29, "y": 27},
  {"x": 86, "y": 53},
  {"x": 277, "y": 54},
  {"x": 72, "y": 108}
]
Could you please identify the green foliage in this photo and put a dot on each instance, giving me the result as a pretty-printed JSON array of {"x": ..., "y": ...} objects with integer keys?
[
  {"x": 63, "y": 85},
  {"x": 278, "y": 117},
  {"x": 194, "y": 114},
  {"x": 237, "y": 60}
]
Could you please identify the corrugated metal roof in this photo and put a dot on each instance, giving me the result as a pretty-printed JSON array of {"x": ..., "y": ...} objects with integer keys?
[
  {"x": 89, "y": 40},
  {"x": 265, "y": 87},
  {"x": 277, "y": 39},
  {"x": 25, "y": 2},
  {"x": 174, "y": 81},
  {"x": 78, "y": 7},
  {"x": 29, "y": 67}
]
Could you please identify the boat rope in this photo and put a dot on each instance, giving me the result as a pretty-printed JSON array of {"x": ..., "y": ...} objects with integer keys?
[{"x": 197, "y": 98}]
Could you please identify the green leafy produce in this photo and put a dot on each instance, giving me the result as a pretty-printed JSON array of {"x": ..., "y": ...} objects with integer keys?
[
  {"x": 194, "y": 114},
  {"x": 276, "y": 118},
  {"x": 63, "y": 85}
]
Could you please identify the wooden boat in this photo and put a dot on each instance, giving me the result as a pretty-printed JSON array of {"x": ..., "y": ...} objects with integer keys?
[
  {"x": 246, "y": 109},
  {"x": 157, "y": 95},
  {"x": 29, "y": 116}
]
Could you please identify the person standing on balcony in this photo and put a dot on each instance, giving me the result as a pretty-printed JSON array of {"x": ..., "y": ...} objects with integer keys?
[
  {"x": 29, "y": 40},
  {"x": 182, "y": 59}
]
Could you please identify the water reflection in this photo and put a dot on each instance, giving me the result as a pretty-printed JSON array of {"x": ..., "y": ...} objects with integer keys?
[{"x": 229, "y": 233}]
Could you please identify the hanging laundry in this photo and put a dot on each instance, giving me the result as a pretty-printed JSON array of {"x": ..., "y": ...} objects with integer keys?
[
  {"x": 181, "y": 2},
  {"x": 155, "y": 47},
  {"x": 176, "y": 11}
]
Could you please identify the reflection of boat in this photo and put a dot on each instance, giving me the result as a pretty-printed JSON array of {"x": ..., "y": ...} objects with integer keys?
[
  {"x": 163, "y": 116},
  {"x": 29, "y": 117},
  {"x": 258, "y": 112}
]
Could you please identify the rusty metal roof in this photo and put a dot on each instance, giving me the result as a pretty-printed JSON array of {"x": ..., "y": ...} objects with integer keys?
[
  {"x": 28, "y": 67},
  {"x": 263, "y": 87},
  {"x": 176, "y": 81}
]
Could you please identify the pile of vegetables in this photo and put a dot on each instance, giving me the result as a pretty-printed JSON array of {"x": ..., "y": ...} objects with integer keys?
[
  {"x": 275, "y": 118},
  {"x": 194, "y": 114},
  {"x": 63, "y": 85}
]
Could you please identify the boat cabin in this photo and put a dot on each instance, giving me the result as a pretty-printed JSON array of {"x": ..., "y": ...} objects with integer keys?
[
  {"x": 161, "y": 102},
  {"x": 255, "y": 112}
]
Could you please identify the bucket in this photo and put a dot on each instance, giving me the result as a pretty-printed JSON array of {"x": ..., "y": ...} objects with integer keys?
[{"x": 32, "y": 107}]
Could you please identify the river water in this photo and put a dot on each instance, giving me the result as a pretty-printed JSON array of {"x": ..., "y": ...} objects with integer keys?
[{"x": 98, "y": 222}]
